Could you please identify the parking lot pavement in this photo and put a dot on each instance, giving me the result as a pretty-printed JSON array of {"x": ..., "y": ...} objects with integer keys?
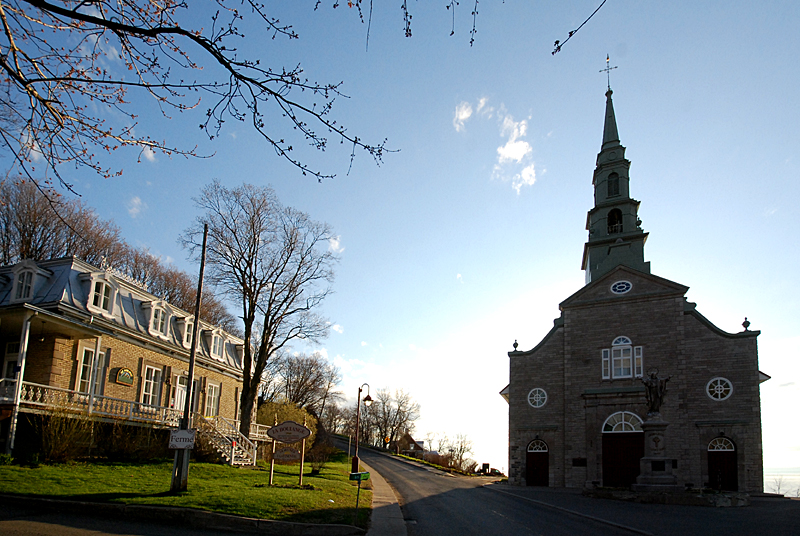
[{"x": 764, "y": 515}]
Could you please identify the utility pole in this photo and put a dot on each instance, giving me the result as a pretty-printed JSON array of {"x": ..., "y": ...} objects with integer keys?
[{"x": 180, "y": 467}]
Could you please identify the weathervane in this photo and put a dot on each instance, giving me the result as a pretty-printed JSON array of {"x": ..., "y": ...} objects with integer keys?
[{"x": 607, "y": 70}]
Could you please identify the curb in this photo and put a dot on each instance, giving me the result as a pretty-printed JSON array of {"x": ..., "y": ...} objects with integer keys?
[
  {"x": 200, "y": 519},
  {"x": 572, "y": 512}
]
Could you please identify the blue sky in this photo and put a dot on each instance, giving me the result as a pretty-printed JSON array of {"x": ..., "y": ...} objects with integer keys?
[{"x": 469, "y": 236}]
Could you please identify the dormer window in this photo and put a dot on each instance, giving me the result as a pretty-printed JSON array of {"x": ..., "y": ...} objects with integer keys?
[
  {"x": 159, "y": 320},
  {"x": 101, "y": 296},
  {"x": 24, "y": 286},
  {"x": 26, "y": 277},
  {"x": 160, "y": 315},
  {"x": 216, "y": 346},
  {"x": 187, "y": 338}
]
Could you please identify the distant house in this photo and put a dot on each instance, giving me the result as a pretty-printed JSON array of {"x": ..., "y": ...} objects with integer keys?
[
  {"x": 408, "y": 446},
  {"x": 96, "y": 342}
]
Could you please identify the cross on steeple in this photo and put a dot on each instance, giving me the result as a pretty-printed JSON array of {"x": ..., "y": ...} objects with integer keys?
[{"x": 607, "y": 70}]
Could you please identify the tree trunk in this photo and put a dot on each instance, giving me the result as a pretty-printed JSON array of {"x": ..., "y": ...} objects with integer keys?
[{"x": 247, "y": 402}]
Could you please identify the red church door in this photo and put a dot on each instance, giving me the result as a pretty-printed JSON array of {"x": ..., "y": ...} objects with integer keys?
[{"x": 537, "y": 464}]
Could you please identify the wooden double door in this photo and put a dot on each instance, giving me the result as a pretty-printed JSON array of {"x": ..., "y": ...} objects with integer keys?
[{"x": 621, "y": 454}]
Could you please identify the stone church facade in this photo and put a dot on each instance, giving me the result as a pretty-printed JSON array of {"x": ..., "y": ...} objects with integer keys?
[{"x": 577, "y": 401}]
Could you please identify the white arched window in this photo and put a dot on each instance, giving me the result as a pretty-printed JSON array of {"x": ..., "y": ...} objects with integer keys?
[
  {"x": 622, "y": 360},
  {"x": 721, "y": 443},
  {"x": 622, "y": 421},
  {"x": 537, "y": 445}
]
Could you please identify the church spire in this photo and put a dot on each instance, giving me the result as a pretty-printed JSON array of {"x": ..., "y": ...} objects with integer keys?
[
  {"x": 615, "y": 233},
  {"x": 610, "y": 134}
]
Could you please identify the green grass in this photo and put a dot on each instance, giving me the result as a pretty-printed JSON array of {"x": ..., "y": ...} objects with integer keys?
[{"x": 328, "y": 497}]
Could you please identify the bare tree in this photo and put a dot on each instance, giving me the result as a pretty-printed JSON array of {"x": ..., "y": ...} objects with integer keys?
[
  {"x": 308, "y": 381},
  {"x": 274, "y": 262},
  {"x": 67, "y": 65},
  {"x": 392, "y": 415},
  {"x": 31, "y": 229}
]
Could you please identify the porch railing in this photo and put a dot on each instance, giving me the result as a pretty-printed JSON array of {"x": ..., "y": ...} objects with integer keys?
[
  {"x": 47, "y": 396},
  {"x": 34, "y": 394}
]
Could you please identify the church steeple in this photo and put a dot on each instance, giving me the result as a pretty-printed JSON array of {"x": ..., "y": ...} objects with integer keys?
[{"x": 615, "y": 233}]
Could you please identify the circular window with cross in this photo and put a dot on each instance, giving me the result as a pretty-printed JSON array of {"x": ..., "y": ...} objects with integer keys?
[
  {"x": 537, "y": 397},
  {"x": 719, "y": 389}
]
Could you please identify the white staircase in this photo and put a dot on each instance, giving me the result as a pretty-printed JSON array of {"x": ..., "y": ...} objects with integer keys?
[{"x": 231, "y": 445}]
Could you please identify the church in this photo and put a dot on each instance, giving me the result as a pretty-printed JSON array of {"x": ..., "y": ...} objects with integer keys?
[{"x": 577, "y": 401}]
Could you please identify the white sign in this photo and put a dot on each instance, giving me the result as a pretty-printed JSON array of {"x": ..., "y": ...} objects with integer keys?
[
  {"x": 288, "y": 432},
  {"x": 181, "y": 439}
]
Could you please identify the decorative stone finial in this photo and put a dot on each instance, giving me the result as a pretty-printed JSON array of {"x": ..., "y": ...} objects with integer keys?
[
  {"x": 515, "y": 345},
  {"x": 745, "y": 324}
]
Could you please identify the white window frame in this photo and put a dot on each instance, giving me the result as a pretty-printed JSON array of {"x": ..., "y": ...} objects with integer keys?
[
  {"x": 622, "y": 422},
  {"x": 187, "y": 335},
  {"x": 84, "y": 374},
  {"x": 159, "y": 323},
  {"x": 622, "y": 360},
  {"x": 217, "y": 346},
  {"x": 24, "y": 286},
  {"x": 101, "y": 296},
  {"x": 211, "y": 407},
  {"x": 151, "y": 385}
]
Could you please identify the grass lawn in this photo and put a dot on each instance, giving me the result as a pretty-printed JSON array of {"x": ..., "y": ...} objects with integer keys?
[{"x": 328, "y": 497}]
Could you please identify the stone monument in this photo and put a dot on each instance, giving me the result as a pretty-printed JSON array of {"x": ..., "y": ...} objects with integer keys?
[{"x": 655, "y": 469}]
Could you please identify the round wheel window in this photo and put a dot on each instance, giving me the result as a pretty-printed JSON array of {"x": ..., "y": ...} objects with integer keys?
[
  {"x": 719, "y": 389},
  {"x": 621, "y": 287},
  {"x": 537, "y": 397}
]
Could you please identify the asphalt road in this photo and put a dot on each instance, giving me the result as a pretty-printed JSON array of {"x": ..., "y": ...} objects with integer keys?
[
  {"x": 434, "y": 503},
  {"x": 437, "y": 504}
]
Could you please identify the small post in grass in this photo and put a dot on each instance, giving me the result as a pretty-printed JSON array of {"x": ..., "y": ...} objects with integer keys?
[
  {"x": 302, "y": 453},
  {"x": 272, "y": 459},
  {"x": 360, "y": 476}
]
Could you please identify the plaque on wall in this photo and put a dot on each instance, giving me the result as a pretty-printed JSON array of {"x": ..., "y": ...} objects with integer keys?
[{"x": 125, "y": 377}]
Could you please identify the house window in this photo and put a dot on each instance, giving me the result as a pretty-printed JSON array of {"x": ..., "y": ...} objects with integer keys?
[
  {"x": 622, "y": 360},
  {"x": 101, "y": 296},
  {"x": 160, "y": 320},
  {"x": 85, "y": 372},
  {"x": 151, "y": 386},
  {"x": 212, "y": 400},
  {"x": 216, "y": 346},
  {"x": 613, "y": 185},
  {"x": 24, "y": 286},
  {"x": 187, "y": 338}
]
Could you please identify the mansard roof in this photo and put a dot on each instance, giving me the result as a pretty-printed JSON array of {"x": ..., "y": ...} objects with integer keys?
[{"x": 65, "y": 287}]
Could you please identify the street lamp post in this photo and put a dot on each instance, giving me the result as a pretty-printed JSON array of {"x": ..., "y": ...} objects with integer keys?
[{"x": 367, "y": 402}]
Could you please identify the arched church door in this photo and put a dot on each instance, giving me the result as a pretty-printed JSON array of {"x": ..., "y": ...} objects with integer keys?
[
  {"x": 623, "y": 447},
  {"x": 537, "y": 464},
  {"x": 722, "y": 466}
]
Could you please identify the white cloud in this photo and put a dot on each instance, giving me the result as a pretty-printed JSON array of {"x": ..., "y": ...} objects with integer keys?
[
  {"x": 337, "y": 328},
  {"x": 463, "y": 112},
  {"x": 136, "y": 206},
  {"x": 148, "y": 154},
  {"x": 363, "y": 343},
  {"x": 335, "y": 244},
  {"x": 527, "y": 177},
  {"x": 459, "y": 278}
]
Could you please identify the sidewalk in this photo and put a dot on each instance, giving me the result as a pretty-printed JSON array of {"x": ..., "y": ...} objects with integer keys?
[{"x": 387, "y": 519}]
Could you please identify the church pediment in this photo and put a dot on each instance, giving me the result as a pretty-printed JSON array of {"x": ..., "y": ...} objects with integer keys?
[{"x": 623, "y": 283}]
